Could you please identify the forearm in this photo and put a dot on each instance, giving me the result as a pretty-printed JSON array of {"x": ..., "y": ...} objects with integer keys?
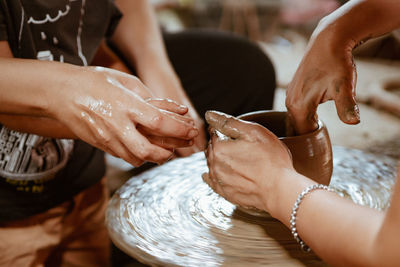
[
  {"x": 139, "y": 38},
  {"x": 339, "y": 231},
  {"x": 31, "y": 123},
  {"x": 30, "y": 87},
  {"x": 359, "y": 20},
  {"x": 37, "y": 125}
]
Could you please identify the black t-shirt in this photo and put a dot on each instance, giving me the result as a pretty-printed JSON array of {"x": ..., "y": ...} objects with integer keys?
[{"x": 38, "y": 173}]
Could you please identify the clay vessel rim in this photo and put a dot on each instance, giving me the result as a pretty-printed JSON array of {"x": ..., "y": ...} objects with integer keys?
[{"x": 310, "y": 134}]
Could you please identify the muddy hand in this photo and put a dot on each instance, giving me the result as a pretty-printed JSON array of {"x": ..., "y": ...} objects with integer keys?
[
  {"x": 200, "y": 141},
  {"x": 321, "y": 76},
  {"x": 249, "y": 158},
  {"x": 102, "y": 111},
  {"x": 176, "y": 110}
]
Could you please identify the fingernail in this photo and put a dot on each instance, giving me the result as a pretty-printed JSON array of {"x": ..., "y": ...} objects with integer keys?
[
  {"x": 353, "y": 114},
  {"x": 193, "y": 133}
]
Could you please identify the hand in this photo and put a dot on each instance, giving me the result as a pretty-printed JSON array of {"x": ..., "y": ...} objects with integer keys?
[
  {"x": 199, "y": 143},
  {"x": 106, "y": 108},
  {"x": 177, "y": 111},
  {"x": 245, "y": 166},
  {"x": 165, "y": 83},
  {"x": 325, "y": 73}
]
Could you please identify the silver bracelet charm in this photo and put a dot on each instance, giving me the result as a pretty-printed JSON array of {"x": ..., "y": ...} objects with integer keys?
[{"x": 293, "y": 215}]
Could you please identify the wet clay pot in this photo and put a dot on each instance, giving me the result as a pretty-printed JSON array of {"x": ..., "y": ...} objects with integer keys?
[{"x": 311, "y": 152}]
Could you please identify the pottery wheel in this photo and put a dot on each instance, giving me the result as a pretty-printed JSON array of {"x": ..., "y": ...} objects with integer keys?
[{"x": 168, "y": 216}]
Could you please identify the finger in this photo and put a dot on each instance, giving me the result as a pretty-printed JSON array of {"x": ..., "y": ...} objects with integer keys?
[
  {"x": 169, "y": 105},
  {"x": 346, "y": 106},
  {"x": 106, "y": 140},
  {"x": 139, "y": 146},
  {"x": 164, "y": 141},
  {"x": 182, "y": 118},
  {"x": 231, "y": 126},
  {"x": 217, "y": 184},
  {"x": 169, "y": 142},
  {"x": 198, "y": 145},
  {"x": 162, "y": 123},
  {"x": 200, "y": 141},
  {"x": 186, "y": 151},
  {"x": 302, "y": 117},
  {"x": 211, "y": 183},
  {"x": 207, "y": 179}
]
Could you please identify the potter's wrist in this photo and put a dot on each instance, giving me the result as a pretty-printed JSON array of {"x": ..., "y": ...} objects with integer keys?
[
  {"x": 69, "y": 84},
  {"x": 271, "y": 192},
  {"x": 329, "y": 40},
  {"x": 54, "y": 90},
  {"x": 287, "y": 189},
  {"x": 334, "y": 31}
]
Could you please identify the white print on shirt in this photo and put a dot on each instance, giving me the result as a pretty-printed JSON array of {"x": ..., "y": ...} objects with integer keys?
[
  {"x": 61, "y": 13},
  {"x": 26, "y": 157},
  {"x": 50, "y": 19}
]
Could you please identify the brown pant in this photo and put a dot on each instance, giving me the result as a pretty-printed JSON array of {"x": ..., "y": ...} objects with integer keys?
[{"x": 72, "y": 234}]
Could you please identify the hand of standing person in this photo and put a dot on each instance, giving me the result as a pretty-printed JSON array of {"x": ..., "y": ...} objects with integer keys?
[
  {"x": 246, "y": 161},
  {"x": 327, "y": 70}
]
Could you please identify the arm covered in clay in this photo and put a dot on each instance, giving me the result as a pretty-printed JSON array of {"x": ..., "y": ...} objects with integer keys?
[
  {"x": 138, "y": 38},
  {"x": 253, "y": 169},
  {"x": 327, "y": 70},
  {"x": 105, "y": 108}
]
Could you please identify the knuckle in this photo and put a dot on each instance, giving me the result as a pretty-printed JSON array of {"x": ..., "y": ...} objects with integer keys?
[
  {"x": 105, "y": 139},
  {"x": 290, "y": 103},
  {"x": 136, "y": 162},
  {"x": 102, "y": 139},
  {"x": 294, "y": 106},
  {"x": 156, "y": 121},
  {"x": 144, "y": 154}
]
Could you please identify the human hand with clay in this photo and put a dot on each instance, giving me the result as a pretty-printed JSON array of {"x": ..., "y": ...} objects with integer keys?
[
  {"x": 167, "y": 85},
  {"x": 327, "y": 70},
  {"x": 108, "y": 109},
  {"x": 248, "y": 165},
  {"x": 250, "y": 169}
]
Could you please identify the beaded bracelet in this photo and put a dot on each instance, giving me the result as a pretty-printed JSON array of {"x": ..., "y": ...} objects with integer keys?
[{"x": 293, "y": 215}]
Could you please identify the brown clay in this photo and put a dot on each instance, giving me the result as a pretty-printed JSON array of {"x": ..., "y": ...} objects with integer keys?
[{"x": 311, "y": 152}]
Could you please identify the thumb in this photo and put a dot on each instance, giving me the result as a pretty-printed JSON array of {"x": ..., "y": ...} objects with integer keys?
[
  {"x": 236, "y": 128},
  {"x": 346, "y": 105},
  {"x": 224, "y": 123}
]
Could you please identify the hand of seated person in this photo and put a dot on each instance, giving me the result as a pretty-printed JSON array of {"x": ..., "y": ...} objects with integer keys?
[{"x": 246, "y": 164}]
